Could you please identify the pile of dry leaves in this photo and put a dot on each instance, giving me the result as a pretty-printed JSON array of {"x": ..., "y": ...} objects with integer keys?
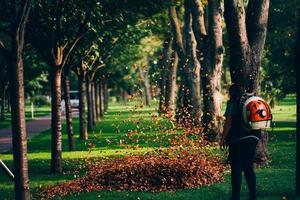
[{"x": 144, "y": 173}]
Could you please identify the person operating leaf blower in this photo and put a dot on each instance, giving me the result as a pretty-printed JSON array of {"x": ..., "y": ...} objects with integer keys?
[{"x": 246, "y": 116}]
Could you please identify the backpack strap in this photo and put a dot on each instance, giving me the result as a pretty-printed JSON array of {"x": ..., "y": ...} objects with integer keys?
[{"x": 249, "y": 137}]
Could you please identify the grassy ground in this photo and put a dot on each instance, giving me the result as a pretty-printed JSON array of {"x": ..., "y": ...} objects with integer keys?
[
  {"x": 273, "y": 182},
  {"x": 39, "y": 111}
]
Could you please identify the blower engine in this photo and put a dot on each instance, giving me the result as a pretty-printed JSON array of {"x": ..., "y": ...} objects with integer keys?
[{"x": 256, "y": 113}]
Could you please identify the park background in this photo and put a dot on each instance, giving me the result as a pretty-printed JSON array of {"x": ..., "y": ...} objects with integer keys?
[{"x": 152, "y": 80}]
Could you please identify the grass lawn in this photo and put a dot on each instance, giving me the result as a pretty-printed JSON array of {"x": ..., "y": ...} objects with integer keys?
[
  {"x": 39, "y": 111},
  {"x": 273, "y": 182}
]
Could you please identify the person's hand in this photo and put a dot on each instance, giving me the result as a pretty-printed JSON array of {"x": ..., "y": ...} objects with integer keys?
[{"x": 222, "y": 144}]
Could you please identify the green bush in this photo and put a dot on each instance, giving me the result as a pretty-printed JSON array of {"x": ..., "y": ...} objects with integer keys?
[{"x": 41, "y": 101}]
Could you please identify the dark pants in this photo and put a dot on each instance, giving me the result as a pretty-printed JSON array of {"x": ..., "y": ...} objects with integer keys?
[{"x": 241, "y": 155}]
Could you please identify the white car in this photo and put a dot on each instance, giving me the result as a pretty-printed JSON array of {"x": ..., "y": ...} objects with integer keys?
[{"x": 74, "y": 99}]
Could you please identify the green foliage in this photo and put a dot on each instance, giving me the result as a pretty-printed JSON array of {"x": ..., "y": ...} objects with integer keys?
[
  {"x": 41, "y": 101},
  {"x": 269, "y": 88},
  {"x": 278, "y": 69},
  {"x": 136, "y": 47},
  {"x": 35, "y": 73}
]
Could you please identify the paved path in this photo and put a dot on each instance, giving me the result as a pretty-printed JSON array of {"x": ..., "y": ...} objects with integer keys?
[{"x": 33, "y": 127}]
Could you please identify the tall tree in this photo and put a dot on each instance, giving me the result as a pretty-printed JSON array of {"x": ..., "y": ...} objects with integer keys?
[
  {"x": 80, "y": 67},
  {"x": 164, "y": 61},
  {"x": 16, "y": 13},
  {"x": 171, "y": 85},
  {"x": 188, "y": 103},
  {"x": 144, "y": 76},
  {"x": 61, "y": 26},
  {"x": 247, "y": 28},
  {"x": 100, "y": 98},
  {"x": 93, "y": 64},
  {"x": 168, "y": 78},
  {"x": 81, "y": 71},
  {"x": 297, "y": 59},
  {"x": 92, "y": 69},
  {"x": 96, "y": 92},
  {"x": 68, "y": 109},
  {"x": 85, "y": 64},
  {"x": 210, "y": 47}
]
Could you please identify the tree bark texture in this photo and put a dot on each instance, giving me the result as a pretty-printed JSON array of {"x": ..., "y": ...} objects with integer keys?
[
  {"x": 89, "y": 105},
  {"x": 144, "y": 75},
  {"x": 18, "y": 125},
  {"x": 105, "y": 96},
  {"x": 69, "y": 114},
  {"x": 167, "y": 49},
  {"x": 191, "y": 69},
  {"x": 57, "y": 52},
  {"x": 93, "y": 102},
  {"x": 297, "y": 59},
  {"x": 211, "y": 48},
  {"x": 188, "y": 104},
  {"x": 56, "y": 137},
  {"x": 101, "y": 108},
  {"x": 171, "y": 86},
  {"x": 83, "y": 134},
  {"x": 14, "y": 61},
  {"x": 18, "y": 120},
  {"x": 247, "y": 30}
]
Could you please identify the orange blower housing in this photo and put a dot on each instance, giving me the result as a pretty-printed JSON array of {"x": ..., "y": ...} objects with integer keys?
[{"x": 256, "y": 113}]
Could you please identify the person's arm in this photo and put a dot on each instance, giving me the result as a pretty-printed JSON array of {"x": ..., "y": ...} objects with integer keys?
[{"x": 226, "y": 128}]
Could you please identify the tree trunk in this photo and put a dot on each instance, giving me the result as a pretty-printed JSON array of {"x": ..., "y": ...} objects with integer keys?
[
  {"x": 89, "y": 105},
  {"x": 124, "y": 96},
  {"x": 171, "y": 86},
  {"x": 56, "y": 138},
  {"x": 167, "y": 49},
  {"x": 247, "y": 33},
  {"x": 144, "y": 73},
  {"x": 188, "y": 103},
  {"x": 93, "y": 102},
  {"x": 212, "y": 71},
  {"x": 14, "y": 61},
  {"x": 83, "y": 135},
  {"x": 105, "y": 96},
  {"x": 19, "y": 139},
  {"x": 147, "y": 86},
  {"x": 297, "y": 58},
  {"x": 179, "y": 48},
  {"x": 191, "y": 69},
  {"x": 101, "y": 99},
  {"x": 162, "y": 93},
  {"x": 96, "y": 92},
  {"x": 69, "y": 115},
  {"x": 147, "y": 90}
]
